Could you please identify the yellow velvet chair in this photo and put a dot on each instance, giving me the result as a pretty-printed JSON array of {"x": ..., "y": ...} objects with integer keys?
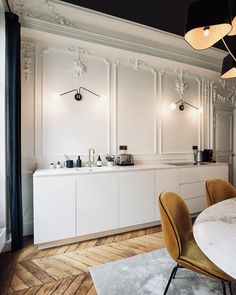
[
  {"x": 218, "y": 190},
  {"x": 177, "y": 230}
]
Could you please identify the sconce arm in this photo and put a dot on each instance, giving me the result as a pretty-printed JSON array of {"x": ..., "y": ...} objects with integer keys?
[
  {"x": 191, "y": 105},
  {"x": 89, "y": 91},
  {"x": 69, "y": 92}
]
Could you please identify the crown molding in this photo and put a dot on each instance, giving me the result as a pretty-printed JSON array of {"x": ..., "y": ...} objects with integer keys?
[{"x": 72, "y": 21}]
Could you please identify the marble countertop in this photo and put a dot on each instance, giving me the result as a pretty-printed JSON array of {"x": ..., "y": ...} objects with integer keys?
[
  {"x": 215, "y": 233},
  {"x": 114, "y": 169}
]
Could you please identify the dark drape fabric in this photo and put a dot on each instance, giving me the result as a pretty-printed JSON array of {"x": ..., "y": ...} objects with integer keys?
[{"x": 13, "y": 115}]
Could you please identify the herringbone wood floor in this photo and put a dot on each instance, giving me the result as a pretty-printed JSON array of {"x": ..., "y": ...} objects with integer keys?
[{"x": 65, "y": 269}]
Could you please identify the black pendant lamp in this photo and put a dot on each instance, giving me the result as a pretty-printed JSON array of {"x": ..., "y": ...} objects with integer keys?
[
  {"x": 208, "y": 21},
  {"x": 229, "y": 67}
]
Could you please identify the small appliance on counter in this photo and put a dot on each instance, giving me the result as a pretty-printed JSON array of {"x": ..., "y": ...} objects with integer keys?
[
  {"x": 207, "y": 155},
  {"x": 124, "y": 159},
  {"x": 197, "y": 154}
]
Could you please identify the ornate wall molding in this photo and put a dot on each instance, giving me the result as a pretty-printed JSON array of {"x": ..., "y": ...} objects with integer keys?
[
  {"x": 137, "y": 64},
  {"x": 180, "y": 85},
  {"x": 39, "y": 9},
  {"x": 79, "y": 63},
  {"x": 27, "y": 57},
  {"x": 224, "y": 93}
]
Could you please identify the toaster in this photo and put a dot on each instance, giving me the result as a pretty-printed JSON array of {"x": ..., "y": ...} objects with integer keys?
[{"x": 124, "y": 160}]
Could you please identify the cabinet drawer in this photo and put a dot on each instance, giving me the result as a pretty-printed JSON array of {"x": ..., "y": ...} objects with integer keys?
[
  {"x": 196, "y": 205},
  {"x": 192, "y": 190},
  {"x": 194, "y": 174}
]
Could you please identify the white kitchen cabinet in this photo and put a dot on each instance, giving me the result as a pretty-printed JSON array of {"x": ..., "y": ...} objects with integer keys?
[
  {"x": 165, "y": 180},
  {"x": 192, "y": 184},
  {"x": 72, "y": 204},
  {"x": 54, "y": 208},
  {"x": 221, "y": 172},
  {"x": 96, "y": 203},
  {"x": 136, "y": 198}
]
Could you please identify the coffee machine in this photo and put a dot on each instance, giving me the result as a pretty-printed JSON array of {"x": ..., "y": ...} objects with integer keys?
[{"x": 207, "y": 155}]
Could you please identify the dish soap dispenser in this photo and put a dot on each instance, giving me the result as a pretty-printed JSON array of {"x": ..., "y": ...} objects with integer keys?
[
  {"x": 99, "y": 162},
  {"x": 78, "y": 162}
]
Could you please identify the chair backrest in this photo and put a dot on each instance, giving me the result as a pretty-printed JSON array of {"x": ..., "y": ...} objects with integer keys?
[
  {"x": 218, "y": 190},
  {"x": 175, "y": 220}
]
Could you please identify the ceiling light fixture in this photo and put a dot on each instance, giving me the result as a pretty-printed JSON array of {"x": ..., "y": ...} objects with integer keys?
[
  {"x": 209, "y": 21},
  {"x": 181, "y": 103}
]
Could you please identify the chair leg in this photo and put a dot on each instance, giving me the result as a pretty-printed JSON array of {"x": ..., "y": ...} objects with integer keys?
[
  {"x": 223, "y": 287},
  {"x": 173, "y": 273}
]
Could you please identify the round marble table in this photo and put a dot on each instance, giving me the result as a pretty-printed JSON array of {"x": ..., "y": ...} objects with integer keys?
[{"x": 215, "y": 233}]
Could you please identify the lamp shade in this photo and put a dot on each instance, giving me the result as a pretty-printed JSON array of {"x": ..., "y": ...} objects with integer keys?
[
  {"x": 207, "y": 22},
  {"x": 228, "y": 67}
]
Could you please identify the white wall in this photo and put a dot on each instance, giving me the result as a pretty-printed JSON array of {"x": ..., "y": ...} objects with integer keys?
[
  {"x": 139, "y": 81},
  {"x": 2, "y": 128}
]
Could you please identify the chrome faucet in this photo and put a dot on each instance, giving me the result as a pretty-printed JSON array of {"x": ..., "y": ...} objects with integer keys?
[{"x": 91, "y": 157}]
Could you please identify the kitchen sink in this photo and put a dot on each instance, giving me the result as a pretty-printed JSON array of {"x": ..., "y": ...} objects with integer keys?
[{"x": 187, "y": 163}]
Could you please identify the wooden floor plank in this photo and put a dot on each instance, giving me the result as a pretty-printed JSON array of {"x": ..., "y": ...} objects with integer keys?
[
  {"x": 119, "y": 252},
  {"x": 85, "y": 286},
  {"x": 27, "y": 277},
  {"x": 136, "y": 246},
  {"x": 17, "y": 284},
  {"x": 54, "y": 271},
  {"x": 96, "y": 256},
  {"x": 64, "y": 285},
  {"x": 36, "y": 271},
  {"x": 32, "y": 290},
  {"x": 71, "y": 271},
  {"x": 48, "y": 288},
  {"x": 92, "y": 291},
  {"x": 72, "y": 247},
  {"x": 105, "y": 253},
  {"x": 83, "y": 259},
  {"x": 75, "y": 285},
  {"x": 73, "y": 262},
  {"x": 126, "y": 247}
]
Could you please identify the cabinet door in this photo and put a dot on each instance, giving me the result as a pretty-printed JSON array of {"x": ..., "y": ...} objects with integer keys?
[
  {"x": 165, "y": 180},
  {"x": 54, "y": 208},
  {"x": 96, "y": 203},
  {"x": 223, "y": 138},
  {"x": 136, "y": 198}
]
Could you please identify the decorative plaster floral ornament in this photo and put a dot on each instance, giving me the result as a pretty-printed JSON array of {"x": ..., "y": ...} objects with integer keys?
[
  {"x": 79, "y": 63},
  {"x": 38, "y": 9},
  {"x": 27, "y": 54}
]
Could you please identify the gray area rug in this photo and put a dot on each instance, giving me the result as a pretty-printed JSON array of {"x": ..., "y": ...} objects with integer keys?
[{"x": 147, "y": 274}]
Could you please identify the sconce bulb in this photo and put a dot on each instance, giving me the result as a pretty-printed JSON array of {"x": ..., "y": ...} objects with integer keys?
[
  {"x": 200, "y": 110},
  {"x": 172, "y": 106},
  {"x": 206, "y": 31},
  {"x": 103, "y": 98},
  {"x": 56, "y": 96}
]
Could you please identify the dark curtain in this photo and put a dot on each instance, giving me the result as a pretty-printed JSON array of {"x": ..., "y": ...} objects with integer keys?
[{"x": 13, "y": 115}]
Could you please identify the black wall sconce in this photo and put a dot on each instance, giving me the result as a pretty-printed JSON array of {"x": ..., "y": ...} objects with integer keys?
[
  {"x": 78, "y": 95},
  {"x": 181, "y": 103}
]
